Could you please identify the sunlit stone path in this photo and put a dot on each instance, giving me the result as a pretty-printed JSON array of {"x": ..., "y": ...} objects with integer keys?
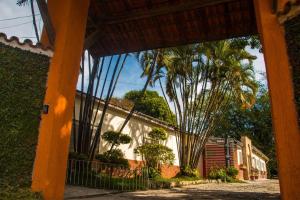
[{"x": 259, "y": 190}]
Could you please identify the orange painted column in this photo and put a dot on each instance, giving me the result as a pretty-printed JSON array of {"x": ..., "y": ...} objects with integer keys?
[
  {"x": 69, "y": 19},
  {"x": 284, "y": 114}
]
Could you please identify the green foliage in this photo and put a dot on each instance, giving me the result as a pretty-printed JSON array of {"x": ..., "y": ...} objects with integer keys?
[
  {"x": 217, "y": 173},
  {"x": 187, "y": 171},
  {"x": 154, "y": 152},
  {"x": 199, "y": 80},
  {"x": 116, "y": 138},
  {"x": 242, "y": 42},
  {"x": 12, "y": 193},
  {"x": 114, "y": 156},
  {"x": 158, "y": 134},
  {"x": 153, "y": 173},
  {"x": 106, "y": 180},
  {"x": 160, "y": 182},
  {"x": 23, "y": 78},
  {"x": 151, "y": 104},
  {"x": 232, "y": 172},
  {"x": 228, "y": 175}
]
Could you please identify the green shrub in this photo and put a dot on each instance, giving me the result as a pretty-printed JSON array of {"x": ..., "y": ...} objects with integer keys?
[
  {"x": 184, "y": 178},
  {"x": 158, "y": 134},
  {"x": 154, "y": 152},
  {"x": 188, "y": 172},
  {"x": 153, "y": 173},
  {"x": 228, "y": 175},
  {"x": 114, "y": 156},
  {"x": 232, "y": 172},
  {"x": 116, "y": 138}
]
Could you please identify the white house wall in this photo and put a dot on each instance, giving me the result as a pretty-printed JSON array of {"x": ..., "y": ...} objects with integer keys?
[{"x": 137, "y": 128}]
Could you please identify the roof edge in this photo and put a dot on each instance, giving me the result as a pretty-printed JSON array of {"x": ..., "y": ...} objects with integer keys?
[
  {"x": 136, "y": 114},
  {"x": 27, "y": 45}
]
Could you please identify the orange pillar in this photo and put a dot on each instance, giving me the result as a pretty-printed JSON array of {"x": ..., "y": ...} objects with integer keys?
[
  {"x": 69, "y": 19},
  {"x": 284, "y": 114}
]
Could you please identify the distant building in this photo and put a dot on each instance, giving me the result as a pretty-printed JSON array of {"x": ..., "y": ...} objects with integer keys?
[
  {"x": 213, "y": 155},
  {"x": 251, "y": 162}
]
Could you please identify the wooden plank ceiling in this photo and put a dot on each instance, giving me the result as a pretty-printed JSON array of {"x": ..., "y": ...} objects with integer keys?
[{"x": 118, "y": 26}]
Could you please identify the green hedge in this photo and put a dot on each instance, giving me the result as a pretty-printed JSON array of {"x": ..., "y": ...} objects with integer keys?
[
  {"x": 292, "y": 30},
  {"x": 23, "y": 76}
]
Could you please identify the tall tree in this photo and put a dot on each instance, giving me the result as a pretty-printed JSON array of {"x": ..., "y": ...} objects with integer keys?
[
  {"x": 200, "y": 81},
  {"x": 151, "y": 104}
]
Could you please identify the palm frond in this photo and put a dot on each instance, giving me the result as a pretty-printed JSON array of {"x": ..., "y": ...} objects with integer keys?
[{"x": 22, "y": 2}]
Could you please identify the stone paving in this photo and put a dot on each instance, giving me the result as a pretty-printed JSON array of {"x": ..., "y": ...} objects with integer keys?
[{"x": 258, "y": 190}]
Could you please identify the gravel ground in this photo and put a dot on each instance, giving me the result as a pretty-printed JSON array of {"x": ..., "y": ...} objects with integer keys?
[{"x": 258, "y": 190}]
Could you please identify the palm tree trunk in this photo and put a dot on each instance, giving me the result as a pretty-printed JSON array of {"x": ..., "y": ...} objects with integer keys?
[{"x": 34, "y": 21}]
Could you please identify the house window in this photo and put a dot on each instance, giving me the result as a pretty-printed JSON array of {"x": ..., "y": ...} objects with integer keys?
[
  {"x": 263, "y": 166},
  {"x": 253, "y": 162},
  {"x": 258, "y": 165},
  {"x": 239, "y": 157}
]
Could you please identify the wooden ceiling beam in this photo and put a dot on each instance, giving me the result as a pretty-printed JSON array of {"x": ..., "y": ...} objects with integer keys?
[{"x": 186, "y": 5}]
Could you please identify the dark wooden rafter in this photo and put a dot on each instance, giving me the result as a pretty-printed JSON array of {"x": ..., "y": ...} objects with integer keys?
[
  {"x": 120, "y": 26},
  {"x": 186, "y": 5},
  {"x": 42, "y": 4},
  {"x": 139, "y": 15},
  {"x": 91, "y": 39}
]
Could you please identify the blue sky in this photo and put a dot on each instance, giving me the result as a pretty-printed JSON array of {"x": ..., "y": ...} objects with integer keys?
[{"x": 130, "y": 79}]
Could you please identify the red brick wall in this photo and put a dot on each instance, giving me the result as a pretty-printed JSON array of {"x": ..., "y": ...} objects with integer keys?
[
  {"x": 169, "y": 171},
  {"x": 214, "y": 156},
  {"x": 166, "y": 171}
]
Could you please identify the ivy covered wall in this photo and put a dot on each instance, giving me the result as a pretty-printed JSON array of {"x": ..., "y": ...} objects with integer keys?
[
  {"x": 292, "y": 35},
  {"x": 23, "y": 77}
]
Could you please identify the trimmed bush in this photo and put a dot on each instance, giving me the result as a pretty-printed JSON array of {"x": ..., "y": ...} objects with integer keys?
[
  {"x": 232, "y": 172},
  {"x": 114, "y": 156}
]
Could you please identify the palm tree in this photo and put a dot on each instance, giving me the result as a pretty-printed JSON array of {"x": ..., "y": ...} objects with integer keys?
[{"x": 200, "y": 81}]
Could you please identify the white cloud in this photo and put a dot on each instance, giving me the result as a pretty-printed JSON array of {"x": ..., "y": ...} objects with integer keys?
[{"x": 9, "y": 9}]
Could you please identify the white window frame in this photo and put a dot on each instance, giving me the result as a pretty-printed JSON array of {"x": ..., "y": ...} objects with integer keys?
[{"x": 240, "y": 157}]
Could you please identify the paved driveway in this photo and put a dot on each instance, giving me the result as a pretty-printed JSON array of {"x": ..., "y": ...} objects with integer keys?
[{"x": 259, "y": 190}]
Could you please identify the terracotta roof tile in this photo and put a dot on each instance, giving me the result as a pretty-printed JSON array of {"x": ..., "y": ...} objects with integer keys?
[{"x": 27, "y": 45}]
